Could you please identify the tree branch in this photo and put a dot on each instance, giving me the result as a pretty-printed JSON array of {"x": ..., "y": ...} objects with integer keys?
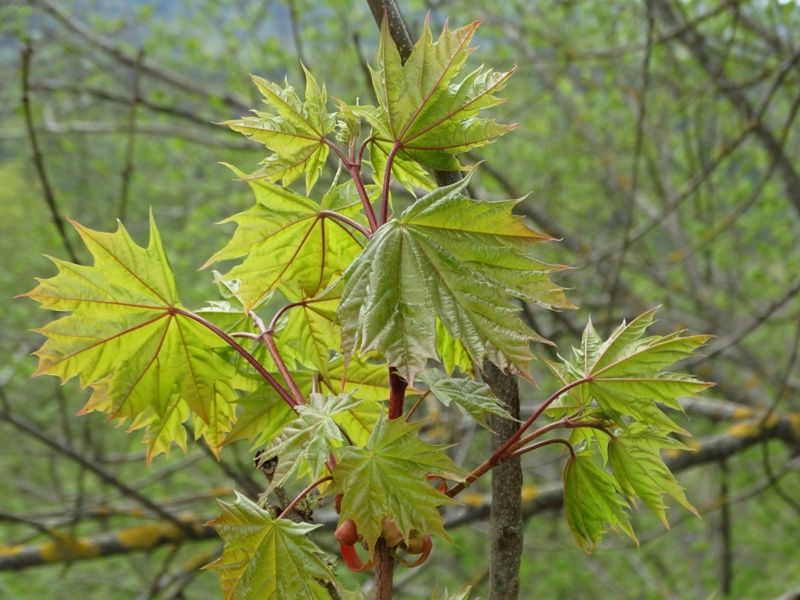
[{"x": 38, "y": 161}]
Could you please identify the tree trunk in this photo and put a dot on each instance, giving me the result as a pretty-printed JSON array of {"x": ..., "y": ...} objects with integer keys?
[{"x": 505, "y": 516}]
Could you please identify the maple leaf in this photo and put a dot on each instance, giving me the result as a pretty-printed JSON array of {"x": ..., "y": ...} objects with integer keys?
[
  {"x": 473, "y": 398},
  {"x": 265, "y": 557},
  {"x": 310, "y": 333},
  {"x": 360, "y": 379},
  {"x": 422, "y": 113},
  {"x": 626, "y": 373},
  {"x": 452, "y": 258},
  {"x": 592, "y": 502},
  {"x": 262, "y": 416},
  {"x": 295, "y": 132},
  {"x": 127, "y": 339},
  {"x": 451, "y": 352},
  {"x": 638, "y": 467},
  {"x": 310, "y": 438},
  {"x": 290, "y": 242},
  {"x": 388, "y": 478},
  {"x": 625, "y": 386}
]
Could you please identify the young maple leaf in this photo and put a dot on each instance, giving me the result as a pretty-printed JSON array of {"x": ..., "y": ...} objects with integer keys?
[
  {"x": 388, "y": 478},
  {"x": 266, "y": 557},
  {"x": 456, "y": 260},
  {"x": 127, "y": 339},
  {"x": 425, "y": 116},
  {"x": 294, "y": 133}
]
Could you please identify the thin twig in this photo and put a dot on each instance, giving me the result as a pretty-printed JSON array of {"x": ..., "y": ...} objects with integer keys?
[
  {"x": 127, "y": 171},
  {"x": 38, "y": 160},
  {"x": 306, "y": 490}
]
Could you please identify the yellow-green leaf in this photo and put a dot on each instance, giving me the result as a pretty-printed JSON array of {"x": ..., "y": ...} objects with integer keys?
[
  {"x": 294, "y": 132},
  {"x": 422, "y": 111},
  {"x": 592, "y": 502},
  {"x": 267, "y": 558},
  {"x": 290, "y": 243},
  {"x": 127, "y": 339}
]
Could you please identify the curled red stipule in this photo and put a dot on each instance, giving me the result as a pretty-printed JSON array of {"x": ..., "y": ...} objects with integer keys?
[{"x": 352, "y": 560}]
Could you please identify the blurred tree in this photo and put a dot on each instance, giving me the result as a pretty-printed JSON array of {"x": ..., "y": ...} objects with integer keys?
[{"x": 660, "y": 141}]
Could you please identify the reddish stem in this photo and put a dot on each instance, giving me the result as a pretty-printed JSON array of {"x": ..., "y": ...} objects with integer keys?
[
  {"x": 355, "y": 173},
  {"x": 269, "y": 341},
  {"x": 566, "y": 423},
  {"x": 354, "y": 168},
  {"x": 330, "y": 214},
  {"x": 500, "y": 454},
  {"x": 542, "y": 444},
  {"x": 281, "y": 311},
  {"x": 397, "y": 393},
  {"x": 414, "y": 408},
  {"x": 286, "y": 511},
  {"x": 384, "y": 570},
  {"x": 238, "y": 347},
  {"x": 363, "y": 147}
]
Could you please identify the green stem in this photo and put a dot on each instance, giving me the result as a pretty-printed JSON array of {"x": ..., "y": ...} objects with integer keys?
[{"x": 387, "y": 178}]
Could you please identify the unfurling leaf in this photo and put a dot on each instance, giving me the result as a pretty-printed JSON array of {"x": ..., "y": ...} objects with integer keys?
[
  {"x": 388, "y": 478},
  {"x": 305, "y": 444},
  {"x": 267, "y": 558},
  {"x": 452, "y": 258},
  {"x": 127, "y": 339},
  {"x": 294, "y": 133}
]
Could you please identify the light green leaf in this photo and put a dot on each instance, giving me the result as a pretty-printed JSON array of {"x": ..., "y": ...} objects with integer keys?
[
  {"x": 423, "y": 111},
  {"x": 387, "y": 478},
  {"x": 267, "y": 558},
  {"x": 290, "y": 243},
  {"x": 592, "y": 502},
  {"x": 452, "y": 352},
  {"x": 125, "y": 339},
  {"x": 589, "y": 439},
  {"x": 310, "y": 333},
  {"x": 640, "y": 470},
  {"x": 262, "y": 416},
  {"x": 294, "y": 132},
  {"x": 348, "y": 124},
  {"x": 306, "y": 442},
  {"x": 473, "y": 398},
  {"x": 626, "y": 373},
  {"x": 357, "y": 377},
  {"x": 445, "y": 595},
  {"x": 455, "y": 259}
]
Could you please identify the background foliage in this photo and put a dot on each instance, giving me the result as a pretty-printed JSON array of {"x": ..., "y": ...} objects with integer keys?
[{"x": 658, "y": 139}]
